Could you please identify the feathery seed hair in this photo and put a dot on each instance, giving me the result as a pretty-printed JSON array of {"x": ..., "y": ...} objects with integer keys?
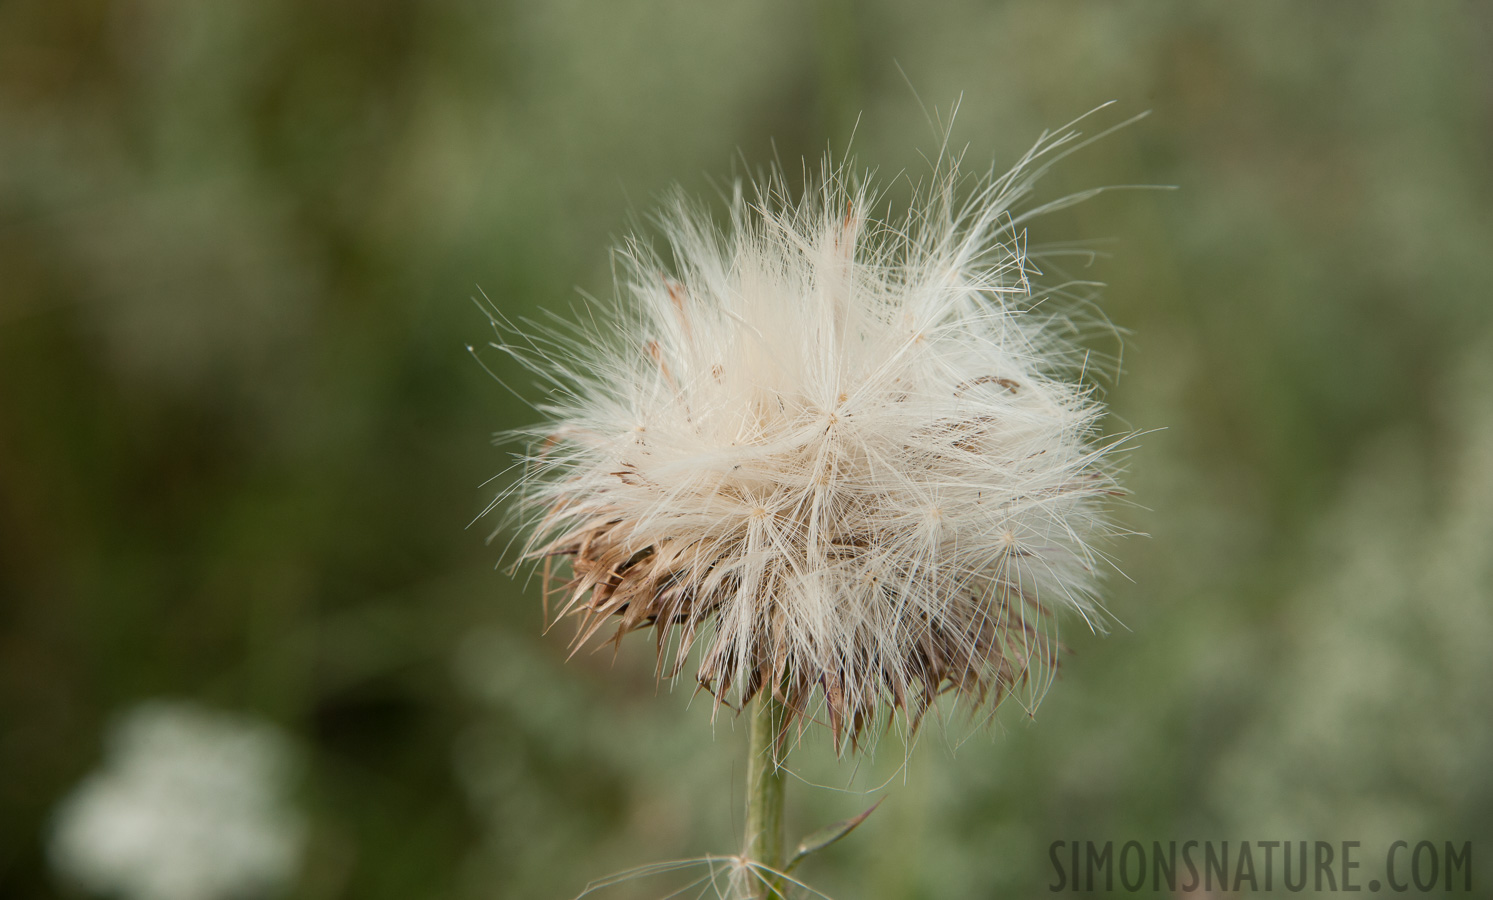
[{"x": 849, "y": 462}]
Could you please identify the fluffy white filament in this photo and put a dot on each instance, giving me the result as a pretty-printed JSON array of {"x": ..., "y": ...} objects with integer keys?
[{"x": 851, "y": 459}]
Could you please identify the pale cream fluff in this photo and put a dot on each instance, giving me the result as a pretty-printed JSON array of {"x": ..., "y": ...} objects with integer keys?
[{"x": 845, "y": 459}]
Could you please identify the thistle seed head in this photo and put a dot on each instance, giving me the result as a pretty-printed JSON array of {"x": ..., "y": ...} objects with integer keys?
[{"x": 845, "y": 460}]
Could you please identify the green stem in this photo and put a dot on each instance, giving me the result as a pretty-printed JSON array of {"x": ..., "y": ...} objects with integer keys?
[{"x": 764, "y": 824}]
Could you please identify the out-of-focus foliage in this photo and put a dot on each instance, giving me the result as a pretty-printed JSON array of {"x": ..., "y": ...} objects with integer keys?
[{"x": 241, "y": 440}]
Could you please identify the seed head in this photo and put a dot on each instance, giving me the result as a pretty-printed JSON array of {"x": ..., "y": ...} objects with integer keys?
[{"x": 845, "y": 460}]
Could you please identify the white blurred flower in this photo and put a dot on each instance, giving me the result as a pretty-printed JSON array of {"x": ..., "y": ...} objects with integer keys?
[{"x": 189, "y": 805}]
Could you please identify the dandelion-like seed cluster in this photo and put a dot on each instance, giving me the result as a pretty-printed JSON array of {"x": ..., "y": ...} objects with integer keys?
[{"x": 846, "y": 461}]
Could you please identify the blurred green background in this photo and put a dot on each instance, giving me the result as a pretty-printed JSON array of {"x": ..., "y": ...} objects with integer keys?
[{"x": 241, "y": 439}]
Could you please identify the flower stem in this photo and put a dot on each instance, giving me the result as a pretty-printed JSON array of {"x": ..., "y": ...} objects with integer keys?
[{"x": 764, "y": 824}]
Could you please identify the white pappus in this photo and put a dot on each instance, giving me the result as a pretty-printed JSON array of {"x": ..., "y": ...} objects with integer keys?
[{"x": 846, "y": 460}]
